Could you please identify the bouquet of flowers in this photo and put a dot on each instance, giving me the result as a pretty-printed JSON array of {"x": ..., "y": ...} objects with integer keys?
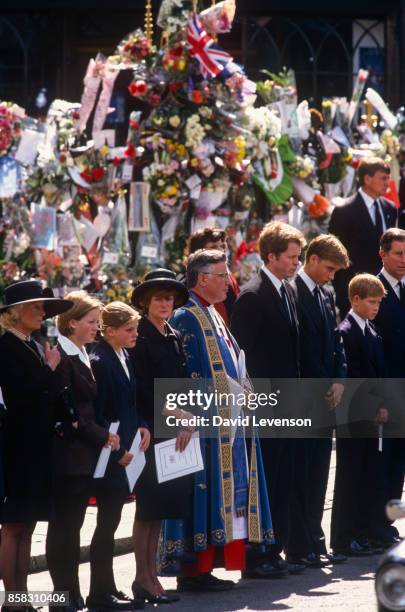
[
  {"x": 278, "y": 87},
  {"x": 11, "y": 116},
  {"x": 135, "y": 47}
]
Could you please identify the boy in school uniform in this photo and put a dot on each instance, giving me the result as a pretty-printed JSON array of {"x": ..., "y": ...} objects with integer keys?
[{"x": 358, "y": 483}]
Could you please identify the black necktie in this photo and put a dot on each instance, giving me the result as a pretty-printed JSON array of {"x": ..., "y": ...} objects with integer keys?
[
  {"x": 286, "y": 303},
  {"x": 370, "y": 345},
  {"x": 320, "y": 304},
  {"x": 378, "y": 219},
  {"x": 401, "y": 293}
]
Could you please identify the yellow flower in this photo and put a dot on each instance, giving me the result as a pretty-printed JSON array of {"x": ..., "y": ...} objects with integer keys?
[
  {"x": 194, "y": 162},
  {"x": 104, "y": 150},
  {"x": 171, "y": 190},
  {"x": 302, "y": 174},
  {"x": 347, "y": 158},
  {"x": 181, "y": 150},
  {"x": 181, "y": 64},
  {"x": 326, "y": 104},
  {"x": 240, "y": 144},
  {"x": 174, "y": 121}
]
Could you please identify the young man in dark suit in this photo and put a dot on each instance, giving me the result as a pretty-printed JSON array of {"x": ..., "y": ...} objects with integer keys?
[
  {"x": 322, "y": 357},
  {"x": 390, "y": 323},
  {"x": 359, "y": 224},
  {"x": 357, "y": 498},
  {"x": 265, "y": 324}
]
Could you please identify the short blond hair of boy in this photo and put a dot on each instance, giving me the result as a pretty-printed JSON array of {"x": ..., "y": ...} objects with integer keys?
[
  {"x": 365, "y": 286},
  {"x": 328, "y": 247}
]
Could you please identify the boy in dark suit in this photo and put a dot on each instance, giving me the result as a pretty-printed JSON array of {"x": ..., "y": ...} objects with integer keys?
[
  {"x": 265, "y": 324},
  {"x": 322, "y": 357},
  {"x": 357, "y": 497}
]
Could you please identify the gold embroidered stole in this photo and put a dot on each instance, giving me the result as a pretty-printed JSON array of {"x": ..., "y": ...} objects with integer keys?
[{"x": 220, "y": 379}]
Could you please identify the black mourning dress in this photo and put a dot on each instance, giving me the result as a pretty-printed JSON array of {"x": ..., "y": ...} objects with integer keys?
[{"x": 158, "y": 356}]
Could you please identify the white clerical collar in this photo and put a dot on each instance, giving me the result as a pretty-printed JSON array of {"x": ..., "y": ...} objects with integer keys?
[
  {"x": 391, "y": 279},
  {"x": 307, "y": 280},
  {"x": 359, "y": 320},
  {"x": 368, "y": 200},
  {"x": 276, "y": 281},
  {"x": 72, "y": 349}
]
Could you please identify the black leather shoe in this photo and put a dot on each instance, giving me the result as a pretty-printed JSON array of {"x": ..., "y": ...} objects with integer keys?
[
  {"x": 311, "y": 560},
  {"x": 108, "y": 601},
  {"x": 204, "y": 582},
  {"x": 265, "y": 570},
  {"x": 295, "y": 567},
  {"x": 386, "y": 543},
  {"x": 334, "y": 558},
  {"x": 356, "y": 549},
  {"x": 77, "y": 603}
]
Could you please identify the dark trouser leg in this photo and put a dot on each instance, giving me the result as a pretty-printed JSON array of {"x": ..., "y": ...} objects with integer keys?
[
  {"x": 63, "y": 538},
  {"x": 319, "y": 452},
  {"x": 109, "y": 504},
  {"x": 299, "y": 544},
  {"x": 279, "y": 466},
  {"x": 393, "y": 477},
  {"x": 349, "y": 461},
  {"x": 370, "y": 502}
]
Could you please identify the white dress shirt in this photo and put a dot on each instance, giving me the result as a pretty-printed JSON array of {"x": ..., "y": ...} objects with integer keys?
[
  {"x": 392, "y": 281},
  {"x": 276, "y": 281},
  {"x": 121, "y": 356},
  {"x": 72, "y": 349},
  {"x": 278, "y": 284},
  {"x": 359, "y": 320},
  {"x": 369, "y": 202},
  {"x": 307, "y": 280}
]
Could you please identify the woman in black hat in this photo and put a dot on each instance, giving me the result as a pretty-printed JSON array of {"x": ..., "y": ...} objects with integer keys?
[
  {"x": 157, "y": 354},
  {"x": 29, "y": 385}
]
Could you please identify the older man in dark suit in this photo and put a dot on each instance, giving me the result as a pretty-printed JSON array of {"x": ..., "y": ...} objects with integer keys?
[
  {"x": 359, "y": 224},
  {"x": 265, "y": 324},
  {"x": 390, "y": 322}
]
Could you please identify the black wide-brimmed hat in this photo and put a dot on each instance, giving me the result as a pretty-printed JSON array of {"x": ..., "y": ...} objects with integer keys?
[
  {"x": 27, "y": 291},
  {"x": 160, "y": 279}
]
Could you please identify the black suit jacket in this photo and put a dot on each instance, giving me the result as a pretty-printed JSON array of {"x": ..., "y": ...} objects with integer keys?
[
  {"x": 262, "y": 329},
  {"x": 364, "y": 361},
  {"x": 352, "y": 224},
  {"x": 390, "y": 323},
  {"x": 322, "y": 351},
  {"x": 115, "y": 401},
  {"x": 76, "y": 453}
]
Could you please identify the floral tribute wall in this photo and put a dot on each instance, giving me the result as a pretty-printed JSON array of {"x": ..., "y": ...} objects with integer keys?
[{"x": 206, "y": 146}]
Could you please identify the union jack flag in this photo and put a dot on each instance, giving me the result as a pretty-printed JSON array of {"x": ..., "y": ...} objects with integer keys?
[{"x": 211, "y": 57}]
